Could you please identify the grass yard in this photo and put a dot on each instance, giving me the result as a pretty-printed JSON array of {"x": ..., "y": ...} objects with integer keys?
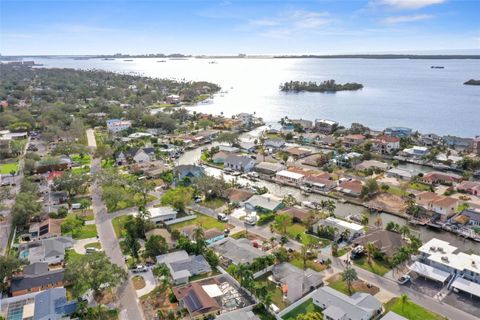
[
  {"x": 81, "y": 170},
  {"x": 82, "y": 161},
  {"x": 95, "y": 245},
  {"x": 138, "y": 282},
  {"x": 214, "y": 203},
  {"x": 108, "y": 163},
  {"x": 276, "y": 292},
  {"x": 296, "y": 230},
  {"x": 119, "y": 225},
  {"x": 298, "y": 262},
  {"x": 338, "y": 284},
  {"x": 85, "y": 232},
  {"x": 306, "y": 307},
  {"x": 377, "y": 266},
  {"x": 397, "y": 191},
  {"x": 203, "y": 221},
  {"x": 419, "y": 186},
  {"x": 342, "y": 251},
  {"x": 214, "y": 272},
  {"x": 411, "y": 310},
  {"x": 7, "y": 167}
]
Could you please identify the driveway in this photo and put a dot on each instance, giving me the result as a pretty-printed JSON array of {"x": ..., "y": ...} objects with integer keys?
[
  {"x": 91, "y": 138},
  {"x": 79, "y": 245},
  {"x": 150, "y": 282}
]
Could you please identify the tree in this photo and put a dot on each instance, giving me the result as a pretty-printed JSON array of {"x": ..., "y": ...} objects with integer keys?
[
  {"x": 71, "y": 224},
  {"x": 155, "y": 245},
  {"x": 200, "y": 243},
  {"x": 162, "y": 272},
  {"x": 349, "y": 275},
  {"x": 334, "y": 248},
  {"x": 70, "y": 182},
  {"x": 68, "y": 148},
  {"x": 228, "y": 137},
  {"x": 143, "y": 187},
  {"x": 378, "y": 222},
  {"x": 404, "y": 230},
  {"x": 370, "y": 250},
  {"x": 25, "y": 207},
  {"x": 313, "y": 315},
  {"x": 211, "y": 258},
  {"x": 404, "y": 300},
  {"x": 211, "y": 186},
  {"x": 93, "y": 271},
  {"x": 369, "y": 189},
  {"x": 8, "y": 265},
  {"x": 132, "y": 245},
  {"x": 112, "y": 195},
  {"x": 282, "y": 222},
  {"x": 179, "y": 198}
]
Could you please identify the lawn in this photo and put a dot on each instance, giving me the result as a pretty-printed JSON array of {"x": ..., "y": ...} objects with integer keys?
[
  {"x": 276, "y": 292},
  {"x": 81, "y": 160},
  {"x": 306, "y": 307},
  {"x": 341, "y": 286},
  {"x": 338, "y": 284},
  {"x": 296, "y": 230},
  {"x": 411, "y": 310},
  {"x": 298, "y": 262},
  {"x": 108, "y": 163},
  {"x": 96, "y": 245},
  {"x": 419, "y": 186},
  {"x": 7, "y": 167},
  {"x": 131, "y": 200},
  {"x": 342, "y": 251},
  {"x": 203, "y": 221},
  {"x": 214, "y": 203},
  {"x": 377, "y": 266},
  {"x": 81, "y": 170},
  {"x": 85, "y": 232},
  {"x": 197, "y": 277},
  {"x": 119, "y": 225}
]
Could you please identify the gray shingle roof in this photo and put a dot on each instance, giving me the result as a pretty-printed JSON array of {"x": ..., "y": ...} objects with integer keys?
[
  {"x": 238, "y": 251},
  {"x": 28, "y": 282}
]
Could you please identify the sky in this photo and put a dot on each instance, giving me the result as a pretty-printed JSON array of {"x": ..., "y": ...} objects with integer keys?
[{"x": 230, "y": 27}]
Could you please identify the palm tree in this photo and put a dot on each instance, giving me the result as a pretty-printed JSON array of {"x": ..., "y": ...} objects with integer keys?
[
  {"x": 349, "y": 275},
  {"x": 370, "y": 250},
  {"x": 404, "y": 230},
  {"x": 304, "y": 253},
  {"x": 404, "y": 300},
  {"x": 378, "y": 222},
  {"x": 161, "y": 271},
  {"x": 345, "y": 234},
  {"x": 334, "y": 248}
]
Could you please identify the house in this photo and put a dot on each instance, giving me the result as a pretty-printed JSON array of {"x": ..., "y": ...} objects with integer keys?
[
  {"x": 347, "y": 160},
  {"x": 400, "y": 174},
  {"x": 319, "y": 183},
  {"x": 295, "y": 282},
  {"x": 182, "y": 266},
  {"x": 297, "y": 213},
  {"x": 289, "y": 177},
  {"x": 236, "y": 251},
  {"x": 172, "y": 99},
  {"x": 470, "y": 187},
  {"x": 355, "y": 230},
  {"x": 472, "y": 216},
  {"x": 385, "y": 144},
  {"x": 160, "y": 214},
  {"x": 238, "y": 195},
  {"x": 248, "y": 146},
  {"x": 37, "y": 282},
  {"x": 429, "y": 140},
  {"x": 269, "y": 168},
  {"x": 445, "y": 207},
  {"x": 144, "y": 155},
  {"x": 352, "y": 188},
  {"x": 398, "y": 132},
  {"x": 188, "y": 171},
  {"x": 352, "y": 140},
  {"x": 373, "y": 165},
  {"x": 298, "y": 152},
  {"x": 239, "y": 163},
  {"x": 45, "y": 229},
  {"x": 442, "y": 256},
  {"x": 52, "y": 304},
  {"x": 228, "y": 149},
  {"x": 339, "y": 306},
  {"x": 220, "y": 157},
  {"x": 436, "y": 177},
  {"x": 386, "y": 242},
  {"x": 213, "y": 235},
  {"x": 117, "y": 125},
  {"x": 245, "y": 118},
  {"x": 274, "y": 144},
  {"x": 51, "y": 250},
  {"x": 416, "y": 151},
  {"x": 264, "y": 203},
  {"x": 305, "y": 124},
  {"x": 196, "y": 300},
  {"x": 458, "y": 143},
  {"x": 238, "y": 315},
  {"x": 476, "y": 145},
  {"x": 325, "y": 126}
]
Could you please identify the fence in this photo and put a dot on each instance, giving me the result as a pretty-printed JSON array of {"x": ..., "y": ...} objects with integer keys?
[{"x": 174, "y": 221}]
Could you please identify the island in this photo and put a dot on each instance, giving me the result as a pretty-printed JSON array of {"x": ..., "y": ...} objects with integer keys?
[
  {"x": 472, "y": 82},
  {"x": 325, "y": 86}
]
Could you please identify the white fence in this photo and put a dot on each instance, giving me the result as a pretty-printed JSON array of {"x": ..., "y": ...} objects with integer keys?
[{"x": 174, "y": 221}]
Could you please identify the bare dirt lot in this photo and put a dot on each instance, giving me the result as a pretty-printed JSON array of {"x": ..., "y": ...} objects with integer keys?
[{"x": 388, "y": 202}]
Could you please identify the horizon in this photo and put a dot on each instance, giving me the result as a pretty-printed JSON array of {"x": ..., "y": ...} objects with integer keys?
[{"x": 106, "y": 27}]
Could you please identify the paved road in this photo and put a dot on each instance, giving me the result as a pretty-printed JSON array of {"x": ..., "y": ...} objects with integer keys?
[{"x": 129, "y": 302}]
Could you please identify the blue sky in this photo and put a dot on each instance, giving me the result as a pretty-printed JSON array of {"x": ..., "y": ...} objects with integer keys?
[{"x": 231, "y": 27}]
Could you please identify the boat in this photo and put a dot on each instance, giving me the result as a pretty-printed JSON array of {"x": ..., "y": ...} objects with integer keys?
[
  {"x": 305, "y": 189},
  {"x": 341, "y": 200},
  {"x": 108, "y": 59},
  {"x": 212, "y": 62},
  {"x": 437, "y": 67},
  {"x": 128, "y": 60},
  {"x": 161, "y": 60}
]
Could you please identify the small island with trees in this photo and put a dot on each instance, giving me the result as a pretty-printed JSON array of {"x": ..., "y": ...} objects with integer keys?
[
  {"x": 472, "y": 82},
  {"x": 325, "y": 86}
]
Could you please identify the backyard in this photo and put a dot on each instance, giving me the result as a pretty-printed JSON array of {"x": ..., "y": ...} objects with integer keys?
[
  {"x": 6, "y": 168},
  {"x": 274, "y": 290},
  {"x": 297, "y": 231},
  {"x": 379, "y": 267},
  {"x": 203, "y": 221},
  {"x": 338, "y": 284},
  {"x": 306, "y": 307},
  {"x": 411, "y": 310}
]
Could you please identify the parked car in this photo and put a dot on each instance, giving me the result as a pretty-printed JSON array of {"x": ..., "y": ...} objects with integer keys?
[
  {"x": 222, "y": 217},
  {"x": 236, "y": 173},
  {"x": 91, "y": 250},
  {"x": 404, "y": 279},
  {"x": 140, "y": 268}
]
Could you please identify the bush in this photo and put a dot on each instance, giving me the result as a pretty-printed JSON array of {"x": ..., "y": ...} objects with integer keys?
[
  {"x": 172, "y": 298},
  {"x": 265, "y": 218}
]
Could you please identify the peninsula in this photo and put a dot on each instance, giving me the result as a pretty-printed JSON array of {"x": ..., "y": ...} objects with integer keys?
[
  {"x": 326, "y": 86},
  {"x": 472, "y": 82}
]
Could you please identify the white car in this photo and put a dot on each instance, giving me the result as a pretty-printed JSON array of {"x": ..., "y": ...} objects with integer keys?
[
  {"x": 404, "y": 279},
  {"x": 140, "y": 268}
]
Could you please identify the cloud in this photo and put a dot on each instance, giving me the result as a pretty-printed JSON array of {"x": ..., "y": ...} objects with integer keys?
[
  {"x": 288, "y": 23},
  {"x": 403, "y": 19},
  {"x": 408, "y": 4}
]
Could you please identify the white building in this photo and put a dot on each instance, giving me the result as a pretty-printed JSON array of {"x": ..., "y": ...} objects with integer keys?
[
  {"x": 245, "y": 118},
  {"x": 116, "y": 125},
  {"x": 162, "y": 214},
  {"x": 289, "y": 176}
]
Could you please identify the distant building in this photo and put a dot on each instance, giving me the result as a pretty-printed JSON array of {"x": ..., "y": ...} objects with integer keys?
[
  {"x": 116, "y": 125},
  {"x": 289, "y": 177},
  {"x": 416, "y": 151},
  {"x": 400, "y": 174},
  {"x": 352, "y": 188},
  {"x": 245, "y": 118},
  {"x": 385, "y": 144},
  {"x": 173, "y": 99},
  {"x": 305, "y": 124},
  {"x": 353, "y": 140},
  {"x": 458, "y": 143},
  {"x": 325, "y": 126},
  {"x": 386, "y": 242},
  {"x": 239, "y": 163},
  {"x": 435, "y": 177},
  {"x": 476, "y": 145},
  {"x": 398, "y": 132}
]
